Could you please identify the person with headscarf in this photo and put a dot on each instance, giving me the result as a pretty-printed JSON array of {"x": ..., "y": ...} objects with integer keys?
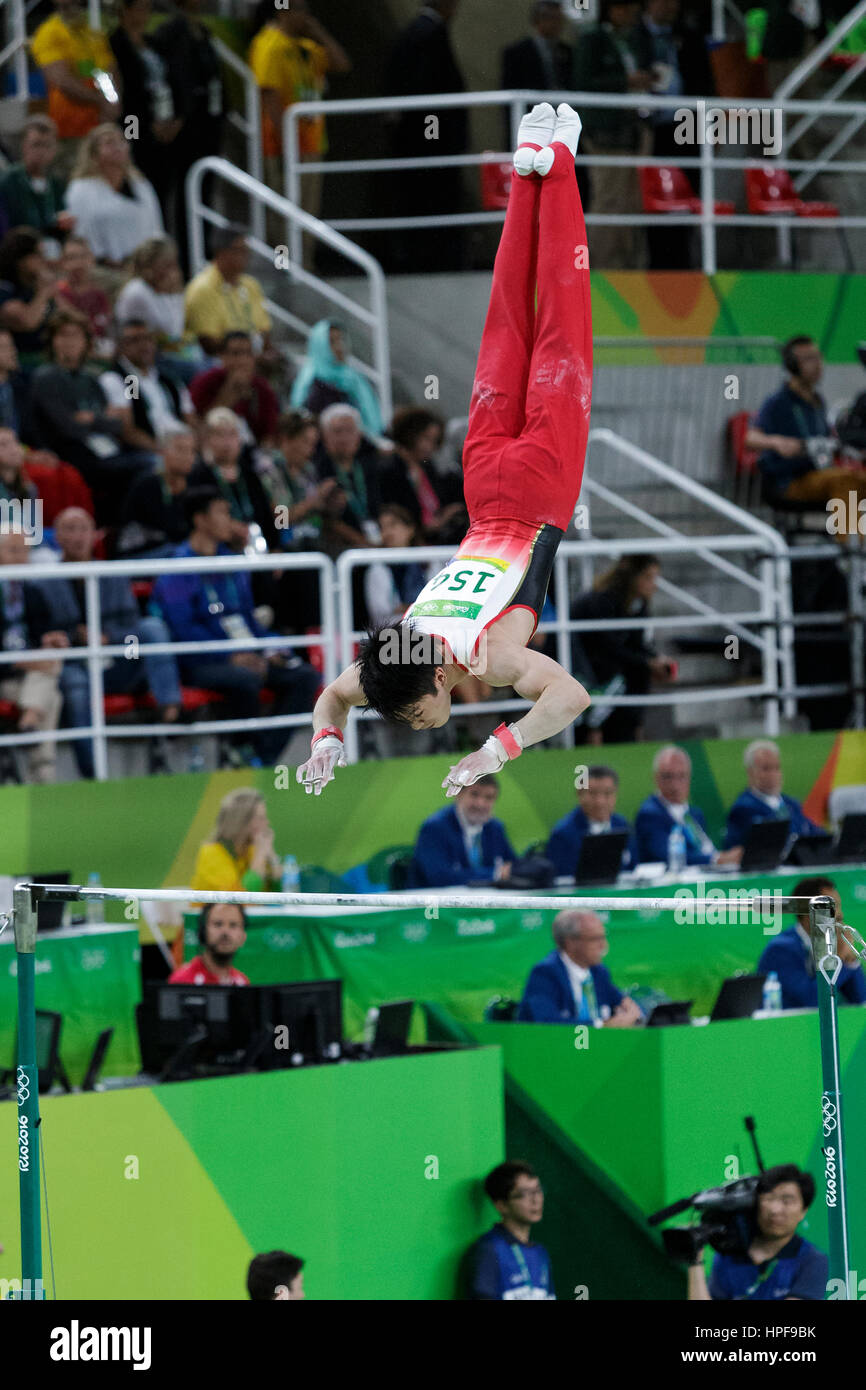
[{"x": 326, "y": 378}]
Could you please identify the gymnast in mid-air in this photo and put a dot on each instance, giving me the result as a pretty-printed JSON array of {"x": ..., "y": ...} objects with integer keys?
[{"x": 523, "y": 464}]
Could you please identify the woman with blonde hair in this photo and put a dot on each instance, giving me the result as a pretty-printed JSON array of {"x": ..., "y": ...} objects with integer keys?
[
  {"x": 240, "y": 852},
  {"x": 115, "y": 207}
]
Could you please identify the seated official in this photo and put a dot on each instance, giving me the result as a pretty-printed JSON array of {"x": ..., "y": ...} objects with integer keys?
[
  {"x": 222, "y": 931},
  {"x": 240, "y": 852},
  {"x": 504, "y": 1263},
  {"x": 669, "y": 806},
  {"x": 790, "y": 955},
  {"x": 594, "y": 815},
  {"x": 763, "y": 799},
  {"x": 571, "y": 985},
  {"x": 463, "y": 844},
  {"x": 275, "y": 1277},
  {"x": 779, "y": 1263}
]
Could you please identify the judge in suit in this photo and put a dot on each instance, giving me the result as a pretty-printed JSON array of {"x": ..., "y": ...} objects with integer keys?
[
  {"x": 763, "y": 798},
  {"x": 461, "y": 844},
  {"x": 790, "y": 955},
  {"x": 594, "y": 815},
  {"x": 669, "y": 806},
  {"x": 571, "y": 985}
]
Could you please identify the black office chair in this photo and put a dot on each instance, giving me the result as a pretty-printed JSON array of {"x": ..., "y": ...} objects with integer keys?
[
  {"x": 501, "y": 1009},
  {"x": 51, "y": 1068}
]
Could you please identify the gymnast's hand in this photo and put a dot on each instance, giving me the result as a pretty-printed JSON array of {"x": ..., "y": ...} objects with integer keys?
[
  {"x": 315, "y": 774},
  {"x": 490, "y": 758}
]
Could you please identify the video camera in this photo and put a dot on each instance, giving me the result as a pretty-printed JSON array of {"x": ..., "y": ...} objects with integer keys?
[{"x": 726, "y": 1216}]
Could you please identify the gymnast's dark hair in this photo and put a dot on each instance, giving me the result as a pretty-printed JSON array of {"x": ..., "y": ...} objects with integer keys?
[{"x": 393, "y": 688}]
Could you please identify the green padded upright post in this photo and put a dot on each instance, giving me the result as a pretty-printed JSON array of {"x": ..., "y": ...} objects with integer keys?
[
  {"x": 27, "y": 1087},
  {"x": 822, "y": 928}
]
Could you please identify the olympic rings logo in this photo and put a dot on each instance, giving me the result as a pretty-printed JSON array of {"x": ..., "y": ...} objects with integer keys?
[
  {"x": 828, "y": 1111},
  {"x": 23, "y": 1086}
]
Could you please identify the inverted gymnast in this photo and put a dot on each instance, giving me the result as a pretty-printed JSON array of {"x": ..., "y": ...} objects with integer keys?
[{"x": 523, "y": 464}]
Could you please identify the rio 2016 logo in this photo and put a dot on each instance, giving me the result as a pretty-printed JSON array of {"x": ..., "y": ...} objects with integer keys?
[
  {"x": 23, "y": 1084},
  {"x": 828, "y": 1113}
]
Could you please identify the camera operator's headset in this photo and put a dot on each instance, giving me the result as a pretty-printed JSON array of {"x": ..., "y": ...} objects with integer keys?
[
  {"x": 205, "y": 912},
  {"x": 790, "y": 361}
]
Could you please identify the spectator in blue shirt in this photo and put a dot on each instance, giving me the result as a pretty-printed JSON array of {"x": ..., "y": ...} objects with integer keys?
[
  {"x": 778, "y": 1263},
  {"x": 505, "y": 1263},
  {"x": 669, "y": 806},
  {"x": 571, "y": 985},
  {"x": 763, "y": 798},
  {"x": 463, "y": 844},
  {"x": 219, "y": 605},
  {"x": 792, "y": 435},
  {"x": 790, "y": 955},
  {"x": 594, "y": 815}
]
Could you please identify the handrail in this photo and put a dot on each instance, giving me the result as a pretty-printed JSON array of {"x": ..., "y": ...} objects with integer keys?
[
  {"x": 16, "y": 48},
  {"x": 821, "y": 51},
  {"x": 375, "y": 318},
  {"x": 250, "y": 125}
]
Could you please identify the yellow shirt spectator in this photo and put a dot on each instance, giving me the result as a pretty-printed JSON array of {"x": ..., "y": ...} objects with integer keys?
[
  {"x": 294, "y": 68},
  {"x": 214, "y": 307},
  {"x": 86, "y": 52},
  {"x": 218, "y": 868}
]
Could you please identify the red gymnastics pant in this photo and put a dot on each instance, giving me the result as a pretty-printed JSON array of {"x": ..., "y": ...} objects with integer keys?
[{"x": 529, "y": 417}]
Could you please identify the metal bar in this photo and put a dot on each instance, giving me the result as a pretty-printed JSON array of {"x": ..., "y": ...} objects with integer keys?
[
  {"x": 252, "y": 127},
  {"x": 849, "y": 75},
  {"x": 708, "y": 204},
  {"x": 822, "y": 50},
  {"x": 360, "y": 106},
  {"x": 828, "y": 964},
  {"x": 855, "y": 599},
  {"x": 770, "y": 652},
  {"x": 18, "y": 27},
  {"x": 27, "y": 1087},
  {"x": 848, "y": 131},
  {"x": 93, "y": 617}
]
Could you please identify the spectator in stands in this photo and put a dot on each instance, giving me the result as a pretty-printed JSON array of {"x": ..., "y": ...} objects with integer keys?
[
  {"x": 464, "y": 843},
  {"x": 154, "y": 295},
  {"x": 595, "y": 814},
  {"x": 790, "y": 955},
  {"x": 791, "y": 433},
  {"x": 571, "y": 985},
  {"x": 122, "y": 625},
  {"x": 619, "y": 661},
  {"x": 422, "y": 61},
  {"x": 291, "y": 57},
  {"x": 223, "y": 298},
  {"x": 195, "y": 76},
  {"x": 153, "y": 521},
  {"x": 152, "y": 402},
  {"x": 669, "y": 806},
  {"x": 115, "y": 207},
  {"x": 409, "y": 480},
  {"x": 72, "y": 417},
  {"x": 275, "y": 1277},
  {"x": 778, "y": 1263},
  {"x": 80, "y": 74},
  {"x": 239, "y": 855},
  {"x": 299, "y": 501},
  {"x": 28, "y": 290},
  {"x": 390, "y": 588},
  {"x": 25, "y": 625},
  {"x": 763, "y": 798},
  {"x": 78, "y": 289},
  {"x": 236, "y": 385},
  {"x": 676, "y": 56},
  {"x": 326, "y": 377},
  {"x": 505, "y": 1263},
  {"x": 228, "y": 465},
  {"x": 343, "y": 454},
  {"x": 30, "y": 194},
  {"x": 604, "y": 62},
  {"x": 148, "y": 105},
  {"x": 222, "y": 932},
  {"x": 39, "y": 477},
  {"x": 13, "y": 388},
  {"x": 205, "y": 607},
  {"x": 543, "y": 61},
  {"x": 15, "y": 486}
]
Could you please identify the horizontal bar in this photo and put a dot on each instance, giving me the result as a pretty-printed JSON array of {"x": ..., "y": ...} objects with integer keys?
[{"x": 69, "y": 893}]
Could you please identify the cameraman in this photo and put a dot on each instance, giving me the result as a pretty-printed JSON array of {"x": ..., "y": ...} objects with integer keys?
[{"x": 778, "y": 1263}]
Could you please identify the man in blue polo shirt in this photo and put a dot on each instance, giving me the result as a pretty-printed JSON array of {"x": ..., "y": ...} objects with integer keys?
[
  {"x": 790, "y": 956},
  {"x": 763, "y": 799},
  {"x": 463, "y": 844},
  {"x": 594, "y": 815},
  {"x": 792, "y": 435},
  {"x": 505, "y": 1263},
  {"x": 778, "y": 1263}
]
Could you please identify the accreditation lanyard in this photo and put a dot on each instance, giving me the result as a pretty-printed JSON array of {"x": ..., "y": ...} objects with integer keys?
[
  {"x": 237, "y": 495},
  {"x": 761, "y": 1279},
  {"x": 802, "y": 420},
  {"x": 358, "y": 484},
  {"x": 524, "y": 1268},
  {"x": 215, "y": 605}
]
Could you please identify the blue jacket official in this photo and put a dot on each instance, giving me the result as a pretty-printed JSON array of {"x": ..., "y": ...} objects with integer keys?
[
  {"x": 441, "y": 858},
  {"x": 654, "y": 823},
  {"x": 791, "y": 958},
  {"x": 549, "y": 998},
  {"x": 750, "y": 808},
  {"x": 567, "y": 836}
]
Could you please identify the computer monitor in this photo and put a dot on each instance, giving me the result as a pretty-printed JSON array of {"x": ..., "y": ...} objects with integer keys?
[
  {"x": 851, "y": 845},
  {"x": 391, "y": 1038},
  {"x": 739, "y": 997},
  {"x": 312, "y": 1013},
  {"x": 214, "y": 1023},
  {"x": 670, "y": 1013},
  {"x": 600, "y": 858},
  {"x": 764, "y": 845}
]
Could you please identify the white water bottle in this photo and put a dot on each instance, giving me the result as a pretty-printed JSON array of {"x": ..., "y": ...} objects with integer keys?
[
  {"x": 291, "y": 874},
  {"x": 95, "y": 907},
  {"x": 772, "y": 997},
  {"x": 677, "y": 858}
]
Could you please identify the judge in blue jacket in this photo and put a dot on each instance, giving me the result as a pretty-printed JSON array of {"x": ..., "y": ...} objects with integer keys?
[
  {"x": 763, "y": 799},
  {"x": 790, "y": 956},
  {"x": 669, "y": 806},
  {"x": 463, "y": 844},
  {"x": 571, "y": 985},
  {"x": 594, "y": 815}
]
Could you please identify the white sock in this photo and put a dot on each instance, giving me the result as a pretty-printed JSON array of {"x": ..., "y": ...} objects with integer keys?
[
  {"x": 568, "y": 127},
  {"x": 536, "y": 128}
]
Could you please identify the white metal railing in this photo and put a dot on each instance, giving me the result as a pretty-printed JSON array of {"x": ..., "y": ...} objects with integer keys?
[
  {"x": 706, "y": 160},
  {"x": 374, "y": 318},
  {"x": 821, "y": 51},
  {"x": 250, "y": 126}
]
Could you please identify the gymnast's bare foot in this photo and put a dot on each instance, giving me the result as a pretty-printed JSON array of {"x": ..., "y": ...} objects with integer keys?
[
  {"x": 535, "y": 132},
  {"x": 566, "y": 132}
]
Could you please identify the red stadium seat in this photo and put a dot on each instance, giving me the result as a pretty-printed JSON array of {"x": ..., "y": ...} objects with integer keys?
[
  {"x": 745, "y": 461},
  {"x": 59, "y": 485},
  {"x": 770, "y": 191},
  {"x": 9, "y": 711},
  {"x": 666, "y": 189},
  {"x": 495, "y": 183}
]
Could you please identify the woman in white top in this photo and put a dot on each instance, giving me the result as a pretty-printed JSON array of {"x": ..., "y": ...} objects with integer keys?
[
  {"x": 115, "y": 207},
  {"x": 154, "y": 295}
]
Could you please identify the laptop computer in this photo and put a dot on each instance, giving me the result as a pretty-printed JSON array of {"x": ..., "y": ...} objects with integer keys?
[
  {"x": 672, "y": 1012},
  {"x": 764, "y": 845},
  {"x": 600, "y": 858},
  {"x": 851, "y": 844},
  {"x": 739, "y": 997},
  {"x": 391, "y": 1038}
]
